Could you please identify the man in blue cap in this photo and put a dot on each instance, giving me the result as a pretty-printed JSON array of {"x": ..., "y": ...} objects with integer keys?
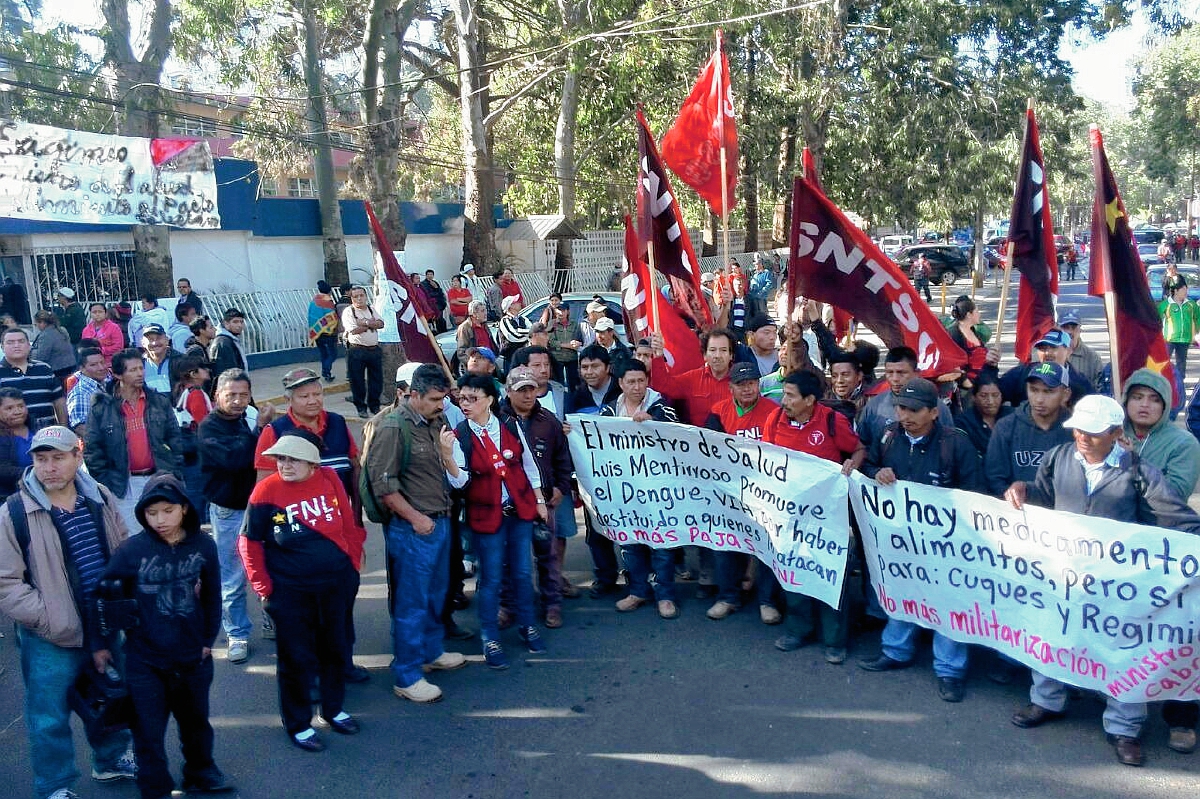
[
  {"x": 1054, "y": 346},
  {"x": 1083, "y": 359}
]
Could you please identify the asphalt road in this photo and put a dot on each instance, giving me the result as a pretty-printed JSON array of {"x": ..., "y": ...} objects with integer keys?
[{"x": 633, "y": 706}]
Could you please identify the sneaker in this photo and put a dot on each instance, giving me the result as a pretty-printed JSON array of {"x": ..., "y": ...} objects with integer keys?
[
  {"x": 720, "y": 610},
  {"x": 533, "y": 639},
  {"x": 630, "y": 603},
  {"x": 422, "y": 692},
  {"x": 447, "y": 661},
  {"x": 363, "y": 413},
  {"x": 769, "y": 614},
  {"x": 63, "y": 793},
  {"x": 239, "y": 651},
  {"x": 1183, "y": 739},
  {"x": 124, "y": 769},
  {"x": 493, "y": 655},
  {"x": 667, "y": 609},
  {"x": 554, "y": 618}
]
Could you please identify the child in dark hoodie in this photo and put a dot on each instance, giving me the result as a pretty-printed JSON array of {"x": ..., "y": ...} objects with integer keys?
[{"x": 170, "y": 568}]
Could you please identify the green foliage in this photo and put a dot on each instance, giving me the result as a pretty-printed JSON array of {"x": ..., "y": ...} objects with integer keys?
[{"x": 65, "y": 76}]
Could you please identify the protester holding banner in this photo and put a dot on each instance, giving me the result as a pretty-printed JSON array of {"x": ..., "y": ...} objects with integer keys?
[
  {"x": 641, "y": 403},
  {"x": 744, "y": 414},
  {"x": 504, "y": 498},
  {"x": 920, "y": 449},
  {"x": 1095, "y": 477},
  {"x": 1022, "y": 439},
  {"x": 1149, "y": 431},
  {"x": 899, "y": 368}
]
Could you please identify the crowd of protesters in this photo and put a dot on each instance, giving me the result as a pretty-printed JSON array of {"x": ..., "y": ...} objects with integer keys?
[{"x": 120, "y": 458}]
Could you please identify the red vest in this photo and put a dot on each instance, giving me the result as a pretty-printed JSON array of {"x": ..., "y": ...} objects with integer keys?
[{"x": 484, "y": 510}]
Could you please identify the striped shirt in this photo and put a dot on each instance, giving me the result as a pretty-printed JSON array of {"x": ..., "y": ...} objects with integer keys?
[
  {"x": 39, "y": 387},
  {"x": 78, "y": 528}
]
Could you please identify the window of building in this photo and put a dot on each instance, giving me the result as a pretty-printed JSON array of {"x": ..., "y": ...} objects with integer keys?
[
  {"x": 341, "y": 139},
  {"x": 304, "y": 188},
  {"x": 269, "y": 187},
  {"x": 198, "y": 128}
]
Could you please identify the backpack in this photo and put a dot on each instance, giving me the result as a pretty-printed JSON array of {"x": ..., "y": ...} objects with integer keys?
[
  {"x": 16, "y": 512},
  {"x": 373, "y": 509}
]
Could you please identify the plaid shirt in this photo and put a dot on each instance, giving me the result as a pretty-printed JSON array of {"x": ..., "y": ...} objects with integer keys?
[{"x": 79, "y": 400}]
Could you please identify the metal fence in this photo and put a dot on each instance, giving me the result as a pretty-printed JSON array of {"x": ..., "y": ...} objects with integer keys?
[
  {"x": 96, "y": 274},
  {"x": 276, "y": 320}
]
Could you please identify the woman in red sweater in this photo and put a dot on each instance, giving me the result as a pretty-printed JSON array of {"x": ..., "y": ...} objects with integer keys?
[{"x": 302, "y": 550}]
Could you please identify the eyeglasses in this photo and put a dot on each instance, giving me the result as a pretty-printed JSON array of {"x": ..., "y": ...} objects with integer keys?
[{"x": 468, "y": 399}]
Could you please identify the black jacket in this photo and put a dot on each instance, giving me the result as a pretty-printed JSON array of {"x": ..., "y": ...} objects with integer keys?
[
  {"x": 944, "y": 458},
  {"x": 580, "y": 400},
  {"x": 545, "y": 435},
  {"x": 970, "y": 422},
  {"x": 227, "y": 459},
  {"x": 178, "y": 594},
  {"x": 106, "y": 452}
]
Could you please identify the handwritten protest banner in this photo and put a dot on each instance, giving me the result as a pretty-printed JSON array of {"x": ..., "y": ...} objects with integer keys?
[
  {"x": 69, "y": 176},
  {"x": 1099, "y": 604},
  {"x": 667, "y": 485}
]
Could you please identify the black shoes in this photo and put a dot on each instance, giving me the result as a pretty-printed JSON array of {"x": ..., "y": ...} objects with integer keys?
[
  {"x": 310, "y": 744},
  {"x": 212, "y": 781},
  {"x": 455, "y": 633},
  {"x": 1129, "y": 750},
  {"x": 950, "y": 689},
  {"x": 600, "y": 590},
  {"x": 883, "y": 663},
  {"x": 347, "y": 726},
  {"x": 356, "y": 674}
]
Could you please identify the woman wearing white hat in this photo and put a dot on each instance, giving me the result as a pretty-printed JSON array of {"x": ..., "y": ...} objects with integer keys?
[{"x": 302, "y": 550}]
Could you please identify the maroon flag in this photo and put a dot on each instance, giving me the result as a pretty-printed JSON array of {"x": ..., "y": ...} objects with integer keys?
[
  {"x": 662, "y": 233},
  {"x": 703, "y": 130},
  {"x": 1031, "y": 235},
  {"x": 642, "y": 305},
  {"x": 841, "y": 318},
  {"x": 1115, "y": 270},
  {"x": 835, "y": 262},
  {"x": 407, "y": 299}
]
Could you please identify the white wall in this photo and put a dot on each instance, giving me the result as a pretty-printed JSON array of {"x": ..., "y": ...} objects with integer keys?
[
  {"x": 442, "y": 253},
  {"x": 213, "y": 260}
]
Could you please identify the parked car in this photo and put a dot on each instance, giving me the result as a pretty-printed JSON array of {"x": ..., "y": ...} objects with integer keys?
[
  {"x": 1148, "y": 252},
  {"x": 893, "y": 244},
  {"x": 1191, "y": 274},
  {"x": 577, "y": 301},
  {"x": 946, "y": 262},
  {"x": 1148, "y": 235}
]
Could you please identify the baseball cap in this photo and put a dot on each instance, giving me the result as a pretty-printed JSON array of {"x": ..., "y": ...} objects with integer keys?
[
  {"x": 298, "y": 377},
  {"x": 759, "y": 321},
  {"x": 519, "y": 378},
  {"x": 483, "y": 352},
  {"x": 507, "y": 302},
  {"x": 153, "y": 330},
  {"x": 597, "y": 307},
  {"x": 1068, "y": 318},
  {"x": 66, "y": 292},
  {"x": 405, "y": 373},
  {"x": 743, "y": 371},
  {"x": 605, "y": 324},
  {"x": 1050, "y": 373},
  {"x": 918, "y": 394},
  {"x": 295, "y": 446},
  {"x": 1096, "y": 414},
  {"x": 54, "y": 437},
  {"x": 468, "y": 268},
  {"x": 1054, "y": 338}
]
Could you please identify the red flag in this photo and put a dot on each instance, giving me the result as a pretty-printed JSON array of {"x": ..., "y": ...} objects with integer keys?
[
  {"x": 704, "y": 129},
  {"x": 407, "y": 299},
  {"x": 841, "y": 318},
  {"x": 1031, "y": 233},
  {"x": 1115, "y": 268},
  {"x": 835, "y": 262},
  {"x": 681, "y": 346},
  {"x": 660, "y": 223}
]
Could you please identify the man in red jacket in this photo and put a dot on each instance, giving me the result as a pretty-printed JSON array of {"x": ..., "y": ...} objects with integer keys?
[{"x": 744, "y": 414}]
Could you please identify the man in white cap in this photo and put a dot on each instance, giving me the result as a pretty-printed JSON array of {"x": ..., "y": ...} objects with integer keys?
[
  {"x": 1095, "y": 477},
  {"x": 72, "y": 316},
  {"x": 71, "y": 527},
  {"x": 606, "y": 337},
  {"x": 594, "y": 312}
]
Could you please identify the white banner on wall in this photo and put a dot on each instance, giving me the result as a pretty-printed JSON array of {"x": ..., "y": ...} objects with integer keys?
[
  {"x": 1108, "y": 606},
  {"x": 667, "y": 485},
  {"x": 60, "y": 175}
]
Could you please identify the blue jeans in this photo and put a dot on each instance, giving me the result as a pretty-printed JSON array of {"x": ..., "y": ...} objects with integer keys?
[
  {"x": 1120, "y": 718},
  {"x": 511, "y": 544},
  {"x": 949, "y": 656},
  {"x": 49, "y": 671},
  {"x": 640, "y": 560},
  {"x": 420, "y": 573},
  {"x": 226, "y": 522},
  {"x": 327, "y": 350}
]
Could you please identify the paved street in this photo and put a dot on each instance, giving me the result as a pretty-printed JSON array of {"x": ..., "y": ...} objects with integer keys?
[{"x": 629, "y": 705}]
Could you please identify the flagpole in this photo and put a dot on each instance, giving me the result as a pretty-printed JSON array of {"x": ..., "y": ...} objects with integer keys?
[
  {"x": 1110, "y": 311},
  {"x": 654, "y": 295},
  {"x": 1008, "y": 264},
  {"x": 1104, "y": 262},
  {"x": 721, "y": 90}
]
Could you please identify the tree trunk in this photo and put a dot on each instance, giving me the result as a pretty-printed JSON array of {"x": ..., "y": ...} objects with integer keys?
[
  {"x": 479, "y": 245},
  {"x": 750, "y": 157},
  {"x": 781, "y": 222},
  {"x": 333, "y": 244},
  {"x": 564, "y": 137}
]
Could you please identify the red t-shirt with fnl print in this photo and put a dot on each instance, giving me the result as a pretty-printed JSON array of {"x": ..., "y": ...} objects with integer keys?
[
  {"x": 748, "y": 424},
  {"x": 827, "y": 434}
]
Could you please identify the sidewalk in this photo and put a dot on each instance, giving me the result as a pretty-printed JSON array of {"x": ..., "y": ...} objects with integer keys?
[{"x": 268, "y": 383}]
